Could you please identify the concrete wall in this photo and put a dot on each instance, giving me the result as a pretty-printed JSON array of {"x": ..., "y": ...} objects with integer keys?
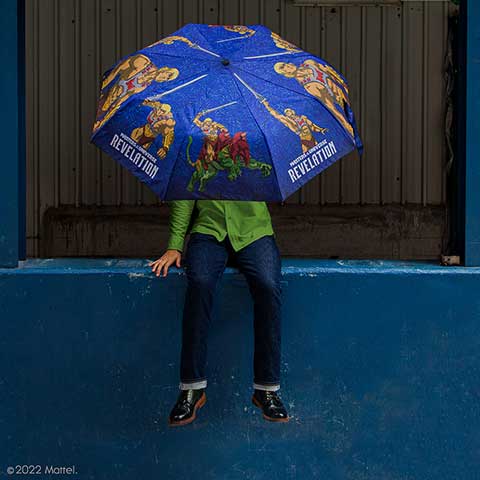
[{"x": 379, "y": 370}]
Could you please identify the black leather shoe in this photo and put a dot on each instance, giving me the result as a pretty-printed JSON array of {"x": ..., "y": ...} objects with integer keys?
[
  {"x": 185, "y": 409},
  {"x": 271, "y": 406}
]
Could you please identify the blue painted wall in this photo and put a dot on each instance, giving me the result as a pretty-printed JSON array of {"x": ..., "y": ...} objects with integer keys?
[
  {"x": 12, "y": 133},
  {"x": 380, "y": 371}
]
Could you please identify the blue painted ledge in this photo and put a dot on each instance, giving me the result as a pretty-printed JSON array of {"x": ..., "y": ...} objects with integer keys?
[
  {"x": 289, "y": 267},
  {"x": 380, "y": 371}
]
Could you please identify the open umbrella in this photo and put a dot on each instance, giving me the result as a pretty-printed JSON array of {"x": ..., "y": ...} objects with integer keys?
[{"x": 224, "y": 112}]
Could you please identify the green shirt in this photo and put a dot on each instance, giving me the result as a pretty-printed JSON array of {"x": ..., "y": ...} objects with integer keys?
[{"x": 243, "y": 222}]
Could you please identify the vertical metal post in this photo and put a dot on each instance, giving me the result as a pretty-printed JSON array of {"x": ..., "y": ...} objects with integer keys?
[
  {"x": 12, "y": 133},
  {"x": 471, "y": 83}
]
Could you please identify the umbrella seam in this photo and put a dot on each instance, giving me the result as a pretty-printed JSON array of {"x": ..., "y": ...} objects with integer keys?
[
  {"x": 304, "y": 52},
  {"x": 173, "y": 168},
  {"x": 210, "y": 46},
  {"x": 187, "y": 57},
  {"x": 262, "y": 132}
]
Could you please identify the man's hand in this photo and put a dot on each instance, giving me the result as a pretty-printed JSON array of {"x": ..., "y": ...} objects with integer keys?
[{"x": 162, "y": 265}]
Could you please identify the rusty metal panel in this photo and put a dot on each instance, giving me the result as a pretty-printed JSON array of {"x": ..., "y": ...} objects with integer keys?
[
  {"x": 391, "y": 113},
  {"x": 350, "y": 166},
  {"x": 391, "y": 55},
  {"x": 434, "y": 153},
  {"x": 334, "y": 231},
  {"x": 31, "y": 122}
]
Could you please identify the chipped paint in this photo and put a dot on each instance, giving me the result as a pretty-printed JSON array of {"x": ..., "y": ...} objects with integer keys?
[
  {"x": 139, "y": 275},
  {"x": 312, "y": 268}
]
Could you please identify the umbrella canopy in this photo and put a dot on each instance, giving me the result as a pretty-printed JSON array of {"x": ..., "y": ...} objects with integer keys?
[{"x": 224, "y": 112}]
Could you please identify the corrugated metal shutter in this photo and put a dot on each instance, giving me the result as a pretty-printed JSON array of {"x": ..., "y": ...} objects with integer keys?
[{"x": 392, "y": 57}]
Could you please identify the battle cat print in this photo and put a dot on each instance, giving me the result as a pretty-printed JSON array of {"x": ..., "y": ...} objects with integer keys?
[{"x": 220, "y": 152}]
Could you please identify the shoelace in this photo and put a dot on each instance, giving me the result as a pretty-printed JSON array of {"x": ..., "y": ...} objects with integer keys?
[
  {"x": 188, "y": 399},
  {"x": 272, "y": 397}
]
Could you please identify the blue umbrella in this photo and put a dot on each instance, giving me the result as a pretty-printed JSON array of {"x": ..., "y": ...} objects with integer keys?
[{"x": 224, "y": 112}]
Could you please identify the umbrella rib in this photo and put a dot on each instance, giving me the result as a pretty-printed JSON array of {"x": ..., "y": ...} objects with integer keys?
[
  {"x": 256, "y": 57},
  {"x": 232, "y": 39},
  {"x": 261, "y": 131}
]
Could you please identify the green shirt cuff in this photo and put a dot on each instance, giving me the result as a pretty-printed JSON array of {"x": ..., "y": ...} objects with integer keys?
[{"x": 175, "y": 243}]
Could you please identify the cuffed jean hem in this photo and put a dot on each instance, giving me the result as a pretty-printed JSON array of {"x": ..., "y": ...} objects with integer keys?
[
  {"x": 267, "y": 388},
  {"x": 193, "y": 385}
]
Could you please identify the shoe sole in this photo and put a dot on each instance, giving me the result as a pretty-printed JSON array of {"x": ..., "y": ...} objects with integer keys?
[
  {"x": 266, "y": 417},
  {"x": 199, "y": 404}
]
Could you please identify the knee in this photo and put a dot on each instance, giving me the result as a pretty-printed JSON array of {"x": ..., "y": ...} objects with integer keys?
[
  {"x": 202, "y": 283},
  {"x": 267, "y": 285}
]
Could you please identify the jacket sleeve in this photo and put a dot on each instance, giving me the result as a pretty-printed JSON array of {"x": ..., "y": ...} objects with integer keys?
[{"x": 180, "y": 215}]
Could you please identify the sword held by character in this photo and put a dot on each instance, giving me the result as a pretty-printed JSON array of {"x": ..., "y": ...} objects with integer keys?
[
  {"x": 300, "y": 125},
  {"x": 220, "y": 152},
  {"x": 160, "y": 121}
]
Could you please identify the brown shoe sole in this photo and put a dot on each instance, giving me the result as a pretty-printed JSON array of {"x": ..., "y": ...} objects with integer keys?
[
  {"x": 199, "y": 404},
  {"x": 270, "y": 419}
]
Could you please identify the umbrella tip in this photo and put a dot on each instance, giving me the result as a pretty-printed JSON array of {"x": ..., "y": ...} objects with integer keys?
[{"x": 225, "y": 62}]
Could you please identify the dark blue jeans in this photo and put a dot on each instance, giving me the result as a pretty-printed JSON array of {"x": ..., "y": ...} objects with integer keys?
[{"x": 205, "y": 261}]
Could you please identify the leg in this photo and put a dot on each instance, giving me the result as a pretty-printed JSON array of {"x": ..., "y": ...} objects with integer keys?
[
  {"x": 265, "y": 168},
  {"x": 260, "y": 263},
  {"x": 193, "y": 179},
  {"x": 207, "y": 175},
  {"x": 204, "y": 264}
]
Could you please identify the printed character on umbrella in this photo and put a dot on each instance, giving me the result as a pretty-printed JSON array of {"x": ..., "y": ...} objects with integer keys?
[
  {"x": 160, "y": 121},
  {"x": 177, "y": 38},
  {"x": 170, "y": 41},
  {"x": 132, "y": 76},
  {"x": 221, "y": 152},
  {"x": 284, "y": 44},
  {"x": 241, "y": 29},
  {"x": 298, "y": 124},
  {"x": 322, "y": 82},
  {"x": 301, "y": 125}
]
